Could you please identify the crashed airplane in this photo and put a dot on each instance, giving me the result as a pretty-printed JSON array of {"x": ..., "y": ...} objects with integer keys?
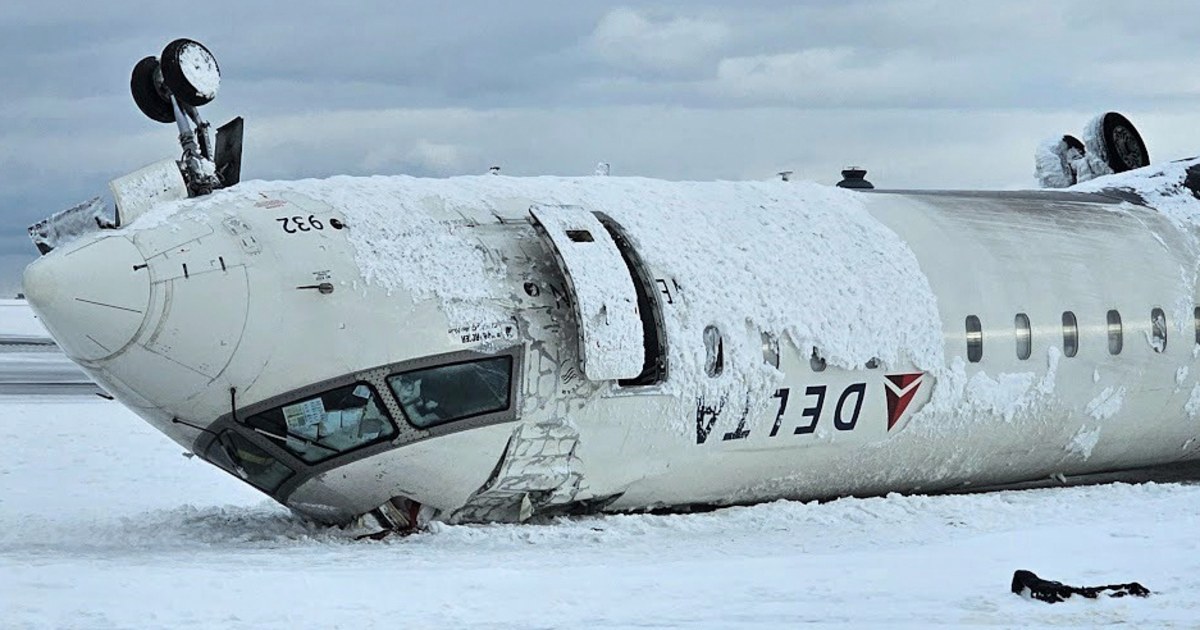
[{"x": 494, "y": 348}]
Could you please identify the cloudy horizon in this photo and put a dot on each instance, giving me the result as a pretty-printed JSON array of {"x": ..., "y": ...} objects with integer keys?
[{"x": 923, "y": 93}]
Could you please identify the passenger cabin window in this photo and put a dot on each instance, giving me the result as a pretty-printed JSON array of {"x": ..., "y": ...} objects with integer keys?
[
  {"x": 1158, "y": 330},
  {"x": 1070, "y": 334},
  {"x": 437, "y": 395},
  {"x": 770, "y": 348},
  {"x": 324, "y": 426},
  {"x": 1024, "y": 336},
  {"x": 581, "y": 236},
  {"x": 242, "y": 458},
  {"x": 974, "y": 339},
  {"x": 714, "y": 351},
  {"x": 816, "y": 361},
  {"x": 1116, "y": 337}
]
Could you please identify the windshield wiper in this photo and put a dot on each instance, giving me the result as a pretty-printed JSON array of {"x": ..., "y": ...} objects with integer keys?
[
  {"x": 295, "y": 436},
  {"x": 231, "y": 452}
]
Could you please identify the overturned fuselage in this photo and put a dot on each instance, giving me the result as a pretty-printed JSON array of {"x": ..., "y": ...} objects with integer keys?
[{"x": 489, "y": 348}]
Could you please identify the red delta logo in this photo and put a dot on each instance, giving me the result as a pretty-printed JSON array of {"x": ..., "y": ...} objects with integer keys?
[{"x": 900, "y": 389}]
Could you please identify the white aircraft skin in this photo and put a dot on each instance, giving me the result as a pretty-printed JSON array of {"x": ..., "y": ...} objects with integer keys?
[{"x": 218, "y": 309}]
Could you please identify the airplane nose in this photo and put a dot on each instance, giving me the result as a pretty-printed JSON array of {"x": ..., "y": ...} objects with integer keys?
[{"x": 92, "y": 299}]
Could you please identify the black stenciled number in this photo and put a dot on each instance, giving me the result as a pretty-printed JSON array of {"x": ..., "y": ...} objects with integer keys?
[{"x": 295, "y": 224}]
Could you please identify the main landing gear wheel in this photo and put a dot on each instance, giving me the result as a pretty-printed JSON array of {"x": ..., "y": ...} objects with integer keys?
[
  {"x": 1124, "y": 149},
  {"x": 190, "y": 71},
  {"x": 146, "y": 85}
]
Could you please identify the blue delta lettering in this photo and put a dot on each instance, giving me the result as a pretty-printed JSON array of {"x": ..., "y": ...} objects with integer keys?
[{"x": 846, "y": 412}]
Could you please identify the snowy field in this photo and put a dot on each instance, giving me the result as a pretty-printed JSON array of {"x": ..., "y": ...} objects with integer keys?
[{"x": 104, "y": 524}]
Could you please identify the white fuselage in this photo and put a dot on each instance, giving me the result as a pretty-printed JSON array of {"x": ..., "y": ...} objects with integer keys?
[{"x": 493, "y": 347}]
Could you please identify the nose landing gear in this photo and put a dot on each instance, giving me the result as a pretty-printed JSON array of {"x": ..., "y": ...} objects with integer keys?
[{"x": 171, "y": 88}]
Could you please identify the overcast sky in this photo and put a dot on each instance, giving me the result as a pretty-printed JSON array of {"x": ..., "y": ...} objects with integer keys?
[{"x": 923, "y": 93}]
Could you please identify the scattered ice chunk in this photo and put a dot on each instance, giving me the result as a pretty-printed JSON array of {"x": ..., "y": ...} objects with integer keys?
[
  {"x": 1005, "y": 395},
  {"x": 1084, "y": 442},
  {"x": 1046, "y": 385},
  {"x": 1193, "y": 404},
  {"x": 1106, "y": 404}
]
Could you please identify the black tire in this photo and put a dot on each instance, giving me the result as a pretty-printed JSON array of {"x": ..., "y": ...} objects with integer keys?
[
  {"x": 153, "y": 103},
  {"x": 175, "y": 75},
  {"x": 1124, "y": 149}
]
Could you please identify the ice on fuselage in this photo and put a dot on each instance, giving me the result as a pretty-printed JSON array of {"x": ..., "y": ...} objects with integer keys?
[
  {"x": 1171, "y": 188},
  {"x": 847, "y": 286},
  {"x": 67, "y": 225},
  {"x": 793, "y": 259}
]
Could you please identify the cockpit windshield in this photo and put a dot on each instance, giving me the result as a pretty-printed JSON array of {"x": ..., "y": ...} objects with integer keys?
[
  {"x": 239, "y": 456},
  {"x": 442, "y": 394},
  {"x": 323, "y": 426}
]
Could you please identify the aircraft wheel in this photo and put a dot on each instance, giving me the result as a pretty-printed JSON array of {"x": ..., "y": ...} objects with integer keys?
[
  {"x": 1123, "y": 146},
  {"x": 153, "y": 102},
  {"x": 190, "y": 71}
]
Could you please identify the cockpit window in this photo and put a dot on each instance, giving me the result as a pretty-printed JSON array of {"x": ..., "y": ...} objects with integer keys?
[
  {"x": 241, "y": 457},
  {"x": 442, "y": 394},
  {"x": 324, "y": 426}
]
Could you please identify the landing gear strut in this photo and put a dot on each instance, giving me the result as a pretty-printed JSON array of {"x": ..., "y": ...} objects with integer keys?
[{"x": 172, "y": 90}]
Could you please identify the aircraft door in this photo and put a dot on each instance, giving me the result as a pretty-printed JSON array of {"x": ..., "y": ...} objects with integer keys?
[{"x": 604, "y": 298}]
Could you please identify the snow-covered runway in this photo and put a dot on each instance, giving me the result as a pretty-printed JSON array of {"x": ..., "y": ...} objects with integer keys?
[{"x": 103, "y": 524}]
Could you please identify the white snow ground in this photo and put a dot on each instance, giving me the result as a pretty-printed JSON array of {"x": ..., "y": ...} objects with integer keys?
[
  {"x": 18, "y": 322},
  {"x": 103, "y": 524}
]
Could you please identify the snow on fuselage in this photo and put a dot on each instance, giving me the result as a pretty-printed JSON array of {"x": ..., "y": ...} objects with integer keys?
[{"x": 470, "y": 344}]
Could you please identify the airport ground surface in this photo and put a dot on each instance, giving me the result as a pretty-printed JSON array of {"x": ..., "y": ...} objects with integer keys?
[{"x": 103, "y": 524}]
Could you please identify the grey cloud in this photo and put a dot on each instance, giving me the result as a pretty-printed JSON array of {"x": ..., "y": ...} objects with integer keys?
[
  {"x": 916, "y": 90},
  {"x": 658, "y": 46}
]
